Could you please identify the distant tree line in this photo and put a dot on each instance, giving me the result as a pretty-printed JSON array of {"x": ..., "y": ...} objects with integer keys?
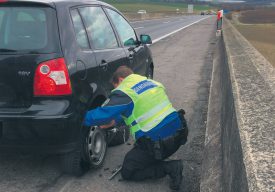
[
  {"x": 159, "y": 1},
  {"x": 249, "y": 5},
  {"x": 172, "y": 1}
]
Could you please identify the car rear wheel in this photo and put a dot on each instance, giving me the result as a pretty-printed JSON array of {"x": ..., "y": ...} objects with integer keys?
[
  {"x": 91, "y": 154},
  {"x": 95, "y": 147},
  {"x": 73, "y": 164}
]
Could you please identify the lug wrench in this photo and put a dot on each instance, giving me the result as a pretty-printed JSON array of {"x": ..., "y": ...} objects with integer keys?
[{"x": 116, "y": 171}]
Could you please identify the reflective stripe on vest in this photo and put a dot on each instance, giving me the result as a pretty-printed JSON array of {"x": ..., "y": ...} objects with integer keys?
[
  {"x": 152, "y": 124},
  {"x": 153, "y": 111},
  {"x": 151, "y": 104}
]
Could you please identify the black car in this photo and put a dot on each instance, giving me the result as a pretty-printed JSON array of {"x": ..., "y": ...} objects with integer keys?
[{"x": 56, "y": 60}]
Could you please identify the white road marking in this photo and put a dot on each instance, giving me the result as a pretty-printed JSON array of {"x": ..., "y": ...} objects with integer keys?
[
  {"x": 151, "y": 19},
  {"x": 164, "y": 36},
  {"x": 139, "y": 28},
  {"x": 167, "y": 22}
]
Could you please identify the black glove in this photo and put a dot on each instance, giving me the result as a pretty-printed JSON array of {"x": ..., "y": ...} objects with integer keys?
[{"x": 184, "y": 130}]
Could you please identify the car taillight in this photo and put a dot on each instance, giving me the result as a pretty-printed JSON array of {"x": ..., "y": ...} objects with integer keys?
[{"x": 52, "y": 78}]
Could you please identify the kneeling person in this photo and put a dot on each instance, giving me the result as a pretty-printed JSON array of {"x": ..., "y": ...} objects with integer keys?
[{"x": 159, "y": 130}]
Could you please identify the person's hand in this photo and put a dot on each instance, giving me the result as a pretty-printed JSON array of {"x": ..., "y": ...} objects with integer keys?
[{"x": 111, "y": 124}]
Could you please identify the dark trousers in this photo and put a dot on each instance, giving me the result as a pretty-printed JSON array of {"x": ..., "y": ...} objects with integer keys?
[
  {"x": 140, "y": 162},
  {"x": 219, "y": 24}
]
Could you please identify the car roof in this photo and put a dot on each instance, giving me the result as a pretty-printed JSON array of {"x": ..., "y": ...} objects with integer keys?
[
  {"x": 51, "y": 2},
  {"x": 58, "y": 3}
]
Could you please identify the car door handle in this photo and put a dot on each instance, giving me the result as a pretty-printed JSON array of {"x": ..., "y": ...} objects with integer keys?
[
  {"x": 103, "y": 63},
  {"x": 131, "y": 56}
]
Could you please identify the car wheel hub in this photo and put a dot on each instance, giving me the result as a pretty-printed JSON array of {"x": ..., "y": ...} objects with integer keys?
[{"x": 96, "y": 146}]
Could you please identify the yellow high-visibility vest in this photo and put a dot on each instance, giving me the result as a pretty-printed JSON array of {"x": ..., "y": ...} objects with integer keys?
[{"x": 151, "y": 104}]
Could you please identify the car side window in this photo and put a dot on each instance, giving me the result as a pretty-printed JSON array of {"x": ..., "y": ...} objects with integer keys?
[
  {"x": 81, "y": 36},
  {"x": 99, "y": 28},
  {"x": 1, "y": 18},
  {"x": 124, "y": 29}
]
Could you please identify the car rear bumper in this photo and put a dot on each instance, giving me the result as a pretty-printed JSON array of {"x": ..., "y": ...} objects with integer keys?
[{"x": 39, "y": 132}]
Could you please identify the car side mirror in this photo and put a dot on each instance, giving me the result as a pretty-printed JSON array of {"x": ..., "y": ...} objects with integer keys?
[
  {"x": 145, "y": 39},
  {"x": 130, "y": 42}
]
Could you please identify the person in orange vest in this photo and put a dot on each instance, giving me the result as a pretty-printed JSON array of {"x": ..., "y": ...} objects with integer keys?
[{"x": 219, "y": 19}]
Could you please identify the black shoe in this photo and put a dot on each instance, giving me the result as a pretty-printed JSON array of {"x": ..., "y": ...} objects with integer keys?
[{"x": 174, "y": 170}]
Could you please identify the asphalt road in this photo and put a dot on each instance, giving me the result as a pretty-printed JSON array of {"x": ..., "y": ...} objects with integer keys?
[
  {"x": 158, "y": 28},
  {"x": 183, "y": 63}
]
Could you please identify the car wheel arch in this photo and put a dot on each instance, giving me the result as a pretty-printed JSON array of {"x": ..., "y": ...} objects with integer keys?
[
  {"x": 96, "y": 102},
  {"x": 150, "y": 71}
]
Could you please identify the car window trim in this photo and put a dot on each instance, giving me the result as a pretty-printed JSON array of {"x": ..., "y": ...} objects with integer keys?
[
  {"x": 89, "y": 43},
  {"x": 109, "y": 17},
  {"x": 90, "y": 39},
  {"x": 113, "y": 26}
]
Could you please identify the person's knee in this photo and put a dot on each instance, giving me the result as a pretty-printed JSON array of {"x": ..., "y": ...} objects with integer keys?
[
  {"x": 126, "y": 173},
  {"x": 134, "y": 161}
]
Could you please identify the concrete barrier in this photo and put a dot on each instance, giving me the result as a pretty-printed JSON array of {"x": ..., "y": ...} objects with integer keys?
[{"x": 239, "y": 144}]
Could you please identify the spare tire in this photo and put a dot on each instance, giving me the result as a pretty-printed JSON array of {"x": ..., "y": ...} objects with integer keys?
[{"x": 118, "y": 135}]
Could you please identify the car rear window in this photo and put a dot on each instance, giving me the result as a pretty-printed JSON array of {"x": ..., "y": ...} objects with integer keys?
[{"x": 28, "y": 29}]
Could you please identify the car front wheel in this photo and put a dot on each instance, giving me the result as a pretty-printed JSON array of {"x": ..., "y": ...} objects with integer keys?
[{"x": 118, "y": 135}]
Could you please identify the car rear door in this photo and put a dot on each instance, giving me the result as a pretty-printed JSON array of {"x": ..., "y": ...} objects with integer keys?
[
  {"x": 87, "y": 77},
  {"x": 136, "y": 53},
  {"x": 108, "y": 51}
]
